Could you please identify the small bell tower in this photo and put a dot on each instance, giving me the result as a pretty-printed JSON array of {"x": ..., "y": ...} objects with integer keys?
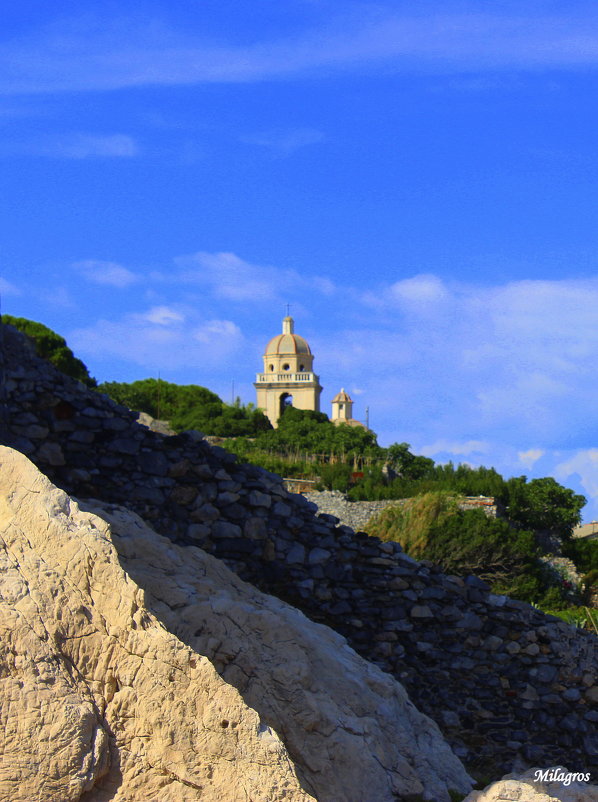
[{"x": 342, "y": 407}]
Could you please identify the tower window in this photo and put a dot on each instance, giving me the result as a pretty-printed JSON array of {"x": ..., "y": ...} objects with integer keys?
[
  {"x": 286, "y": 366},
  {"x": 301, "y": 368},
  {"x": 271, "y": 367}
]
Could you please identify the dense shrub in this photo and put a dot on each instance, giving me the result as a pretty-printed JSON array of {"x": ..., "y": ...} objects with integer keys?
[
  {"x": 463, "y": 542},
  {"x": 53, "y": 347},
  {"x": 187, "y": 406}
]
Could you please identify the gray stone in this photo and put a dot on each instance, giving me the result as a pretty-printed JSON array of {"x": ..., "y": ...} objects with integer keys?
[
  {"x": 544, "y": 672},
  {"x": 258, "y": 499},
  {"x": 470, "y": 621},
  {"x": 82, "y": 436},
  {"x": 318, "y": 555},
  {"x": 198, "y": 531},
  {"x": 207, "y": 512},
  {"x": 124, "y": 445},
  {"x": 222, "y": 529},
  {"x": 296, "y": 554},
  {"x": 227, "y": 498},
  {"x": 421, "y": 611},
  {"x": 153, "y": 462},
  {"x": 572, "y": 695},
  {"x": 255, "y": 528},
  {"x": 35, "y": 432},
  {"x": 282, "y": 509},
  {"x": 51, "y": 453}
]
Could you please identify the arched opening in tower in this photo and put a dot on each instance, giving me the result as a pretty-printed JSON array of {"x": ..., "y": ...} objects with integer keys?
[{"x": 286, "y": 400}]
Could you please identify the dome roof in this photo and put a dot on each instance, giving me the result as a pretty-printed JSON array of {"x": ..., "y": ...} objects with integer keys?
[
  {"x": 342, "y": 397},
  {"x": 288, "y": 342}
]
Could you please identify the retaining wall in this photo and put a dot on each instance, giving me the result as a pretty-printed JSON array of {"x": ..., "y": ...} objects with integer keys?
[{"x": 504, "y": 682}]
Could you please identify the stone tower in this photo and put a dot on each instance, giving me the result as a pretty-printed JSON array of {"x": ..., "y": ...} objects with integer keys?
[{"x": 288, "y": 376}]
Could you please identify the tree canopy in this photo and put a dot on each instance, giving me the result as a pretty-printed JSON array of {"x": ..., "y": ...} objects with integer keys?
[
  {"x": 53, "y": 347},
  {"x": 304, "y": 430},
  {"x": 187, "y": 406},
  {"x": 543, "y": 504}
]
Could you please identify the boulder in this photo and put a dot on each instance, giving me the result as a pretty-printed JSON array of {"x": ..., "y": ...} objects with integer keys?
[{"x": 131, "y": 668}]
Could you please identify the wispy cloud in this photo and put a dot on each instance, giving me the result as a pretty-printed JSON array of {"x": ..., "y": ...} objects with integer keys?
[
  {"x": 583, "y": 464},
  {"x": 6, "y": 288},
  {"x": 75, "y": 56},
  {"x": 90, "y": 146},
  {"x": 467, "y": 448},
  {"x": 284, "y": 143},
  {"x": 75, "y": 146},
  {"x": 162, "y": 316},
  {"x": 231, "y": 278},
  {"x": 529, "y": 458},
  {"x": 109, "y": 273},
  {"x": 513, "y": 358},
  {"x": 160, "y": 339}
]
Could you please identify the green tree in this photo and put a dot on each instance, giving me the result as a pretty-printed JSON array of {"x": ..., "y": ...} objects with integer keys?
[
  {"x": 406, "y": 464},
  {"x": 543, "y": 504},
  {"x": 187, "y": 406},
  {"x": 53, "y": 347}
]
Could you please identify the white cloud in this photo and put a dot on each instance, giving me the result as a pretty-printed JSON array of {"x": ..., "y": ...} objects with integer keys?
[
  {"x": 109, "y": 273},
  {"x": 90, "y": 146},
  {"x": 231, "y": 278},
  {"x": 80, "y": 54},
  {"x": 6, "y": 288},
  {"x": 283, "y": 143},
  {"x": 162, "y": 316},
  {"x": 529, "y": 458},
  {"x": 584, "y": 464},
  {"x": 214, "y": 330},
  {"x": 73, "y": 146},
  {"x": 161, "y": 340},
  {"x": 420, "y": 290},
  {"x": 514, "y": 360},
  {"x": 465, "y": 449}
]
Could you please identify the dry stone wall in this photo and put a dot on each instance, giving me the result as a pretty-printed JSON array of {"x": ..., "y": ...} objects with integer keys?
[
  {"x": 505, "y": 683},
  {"x": 357, "y": 514}
]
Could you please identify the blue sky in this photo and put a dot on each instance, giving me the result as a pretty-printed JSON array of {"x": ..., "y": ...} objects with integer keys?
[{"x": 418, "y": 181}]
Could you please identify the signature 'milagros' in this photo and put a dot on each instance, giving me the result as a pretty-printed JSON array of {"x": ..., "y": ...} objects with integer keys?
[{"x": 559, "y": 775}]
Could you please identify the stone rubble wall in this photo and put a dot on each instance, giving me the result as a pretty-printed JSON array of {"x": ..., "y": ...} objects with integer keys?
[
  {"x": 505, "y": 683},
  {"x": 358, "y": 514},
  {"x": 355, "y": 514}
]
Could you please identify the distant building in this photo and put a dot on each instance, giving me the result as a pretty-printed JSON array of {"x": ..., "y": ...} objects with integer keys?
[
  {"x": 342, "y": 410},
  {"x": 288, "y": 377},
  {"x": 288, "y": 380}
]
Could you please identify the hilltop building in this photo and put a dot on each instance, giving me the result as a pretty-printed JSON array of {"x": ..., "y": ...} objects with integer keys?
[{"x": 288, "y": 379}]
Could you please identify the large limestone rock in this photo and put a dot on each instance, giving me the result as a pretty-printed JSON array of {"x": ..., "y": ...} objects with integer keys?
[
  {"x": 132, "y": 669},
  {"x": 556, "y": 784}
]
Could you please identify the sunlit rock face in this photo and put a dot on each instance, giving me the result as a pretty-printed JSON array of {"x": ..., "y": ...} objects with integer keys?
[{"x": 132, "y": 668}]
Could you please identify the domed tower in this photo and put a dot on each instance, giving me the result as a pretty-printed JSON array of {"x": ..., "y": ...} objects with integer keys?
[
  {"x": 342, "y": 407},
  {"x": 288, "y": 377}
]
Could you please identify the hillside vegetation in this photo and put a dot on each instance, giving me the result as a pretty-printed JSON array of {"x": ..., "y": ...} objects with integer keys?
[
  {"x": 187, "y": 407},
  {"x": 53, "y": 347},
  {"x": 429, "y": 525}
]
